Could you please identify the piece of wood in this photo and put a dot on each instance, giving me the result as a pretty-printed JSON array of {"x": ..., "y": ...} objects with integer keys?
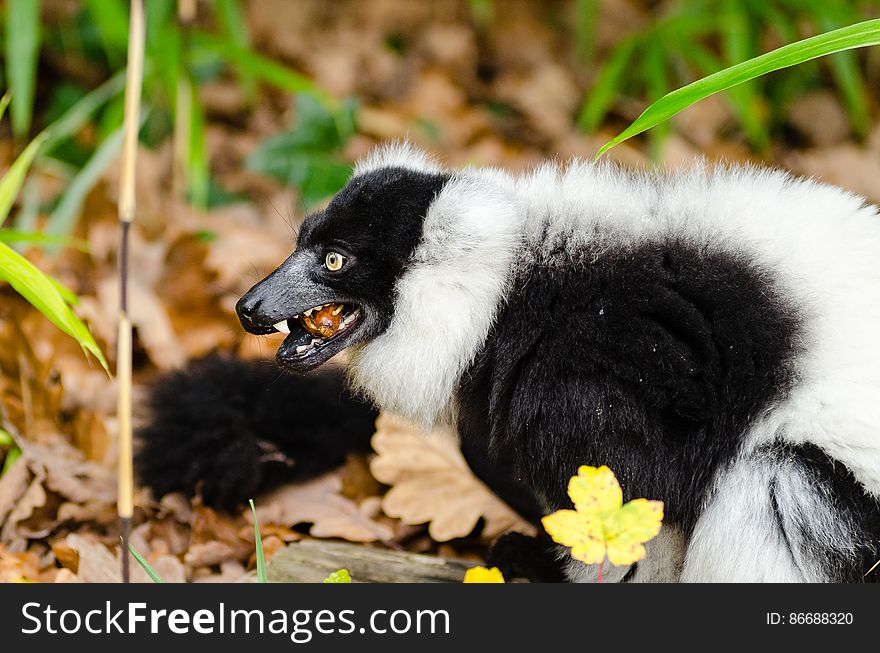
[{"x": 311, "y": 561}]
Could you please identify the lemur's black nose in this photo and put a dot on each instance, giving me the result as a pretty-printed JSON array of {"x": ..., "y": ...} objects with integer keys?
[{"x": 247, "y": 308}]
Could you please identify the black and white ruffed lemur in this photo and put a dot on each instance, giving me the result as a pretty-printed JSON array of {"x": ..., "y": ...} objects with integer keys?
[{"x": 711, "y": 336}]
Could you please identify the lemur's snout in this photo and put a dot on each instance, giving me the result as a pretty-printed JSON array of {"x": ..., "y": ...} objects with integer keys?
[{"x": 255, "y": 310}]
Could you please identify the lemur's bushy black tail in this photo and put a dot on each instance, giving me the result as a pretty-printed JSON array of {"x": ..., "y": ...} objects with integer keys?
[{"x": 228, "y": 429}]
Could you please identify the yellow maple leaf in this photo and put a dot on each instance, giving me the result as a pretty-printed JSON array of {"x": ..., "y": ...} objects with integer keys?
[
  {"x": 483, "y": 575},
  {"x": 601, "y": 525}
]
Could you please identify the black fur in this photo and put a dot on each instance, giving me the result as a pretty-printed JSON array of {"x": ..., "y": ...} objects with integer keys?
[
  {"x": 651, "y": 360},
  {"x": 850, "y": 500},
  {"x": 230, "y": 429}
]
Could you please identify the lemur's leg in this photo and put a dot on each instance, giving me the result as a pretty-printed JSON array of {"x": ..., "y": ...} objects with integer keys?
[{"x": 785, "y": 513}]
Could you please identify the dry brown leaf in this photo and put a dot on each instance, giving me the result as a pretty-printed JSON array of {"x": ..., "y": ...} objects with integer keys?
[
  {"x": 851, "y": 166},
  {"x": 97, "y": 564},
  {"x": 148, "y": 316},
  {"x": 431, "y": 482},
  {"x": 34, "y": 497},
  {"x": 320, "y": 503},
  {"x": 68, "y": 474},
  {"x": 18, "y": 567},
  {"x": 230, "y": 572},
  {"x": 207, "y": 554},
  {"x": 13, "y": 484}
]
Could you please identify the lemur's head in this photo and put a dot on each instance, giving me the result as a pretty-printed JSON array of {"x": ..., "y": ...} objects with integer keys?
[
  {"x": 337, "y": 287},
  {"x": 405, "y": 266}
]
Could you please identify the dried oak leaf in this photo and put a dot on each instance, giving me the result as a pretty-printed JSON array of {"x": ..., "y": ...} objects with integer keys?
[
  {"x": 320, "y": 503},
  {"x": 68, "y": 474},
  {"x": 18, "y": 567},
  {"x": 13, "y": 485},
  {"x": 34, "y": 497},
  {"x": 431, "y": 482},
  {"x": 97, "y": 564}
]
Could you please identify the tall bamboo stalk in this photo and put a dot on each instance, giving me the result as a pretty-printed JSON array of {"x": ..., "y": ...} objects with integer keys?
[{"x": 127, "y": 206}]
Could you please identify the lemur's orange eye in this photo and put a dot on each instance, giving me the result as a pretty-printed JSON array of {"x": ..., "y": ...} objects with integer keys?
[{"x": 334, "y": 261}]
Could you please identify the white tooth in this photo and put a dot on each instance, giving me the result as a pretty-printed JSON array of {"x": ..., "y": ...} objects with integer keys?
[
  {"x": 349, "y": 319},
  {"x": 338, "y": 310},
  {"x": 308, "y": 313},
  {"x": 303, "y": 348},
  {"x": 282, "y": 326},
  {"x": 316, "y": 342}
]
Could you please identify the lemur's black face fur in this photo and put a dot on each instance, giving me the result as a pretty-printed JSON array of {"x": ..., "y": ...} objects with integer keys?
[{"x": 337, "y": 287}]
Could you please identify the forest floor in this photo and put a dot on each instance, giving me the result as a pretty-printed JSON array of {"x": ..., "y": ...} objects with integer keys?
[{"x": 504, "y": 96}]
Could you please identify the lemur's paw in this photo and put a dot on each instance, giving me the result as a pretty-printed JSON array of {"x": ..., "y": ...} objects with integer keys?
[{"x": 522, "y": 556}]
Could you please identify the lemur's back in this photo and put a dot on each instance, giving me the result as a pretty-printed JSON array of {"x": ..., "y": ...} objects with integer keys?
[{"x": 818, "y": 250}]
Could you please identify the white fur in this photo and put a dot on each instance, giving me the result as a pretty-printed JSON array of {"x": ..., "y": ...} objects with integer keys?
[
  {"x": 820, "y": 243},
  {"x": 744, "y": 536},
  {"x": 402, "y": 154},
  {"x": 445, "y": 303}
]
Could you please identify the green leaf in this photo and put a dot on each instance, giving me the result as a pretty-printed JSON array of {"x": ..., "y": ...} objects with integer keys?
[
  {"x": 145, "y": 565},
  {"x": 43, "y": 293},
  {"x": 339, "y": 576},
  {"x": 39, "y": 238},
  {"x": 309, "y": 156},
  {"x": 855, "y": 36},
  {"x": 22, "y": 47},
  {"x": 258, "y": 543}
]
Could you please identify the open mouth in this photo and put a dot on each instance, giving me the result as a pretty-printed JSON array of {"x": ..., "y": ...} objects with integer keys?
[{"x": 317, "y": 334}]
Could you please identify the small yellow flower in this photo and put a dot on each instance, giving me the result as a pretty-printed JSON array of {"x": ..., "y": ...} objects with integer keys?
[
  {"x": 483, "y": 575},
  {"x": 601, "y": 524}
]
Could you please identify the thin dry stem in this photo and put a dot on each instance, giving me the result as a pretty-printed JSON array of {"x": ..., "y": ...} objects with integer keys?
[{"x": 127, "y": 206}]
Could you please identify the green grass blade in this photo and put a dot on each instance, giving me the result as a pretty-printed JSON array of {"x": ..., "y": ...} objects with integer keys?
[
  {"x": 12, "y": 181},
  {"x": 604, "y": 91},
  {"x": 39, "y": 238},
  {"x": 22, "y": 48},
  {"x": 587, "y": 12},
  {"x": 4, "y": 102},
  {"x": 198, "y": 167},
  {"x": 261, "y": 67},
  {"x": 43, "y": 293},
  {"x": 145, "y": 565},
  {"x": 37, "y": 288},
  {"x": 232, "y": 19},
  {"x": 63, "y": 219},
  {"x": 75, "y": 118},
  {"x": 258, "y": 543},
  {"x": 854, "y": 36},
  {"x": 111, "y": 21},
  {"x": 737, "y": 46}
]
